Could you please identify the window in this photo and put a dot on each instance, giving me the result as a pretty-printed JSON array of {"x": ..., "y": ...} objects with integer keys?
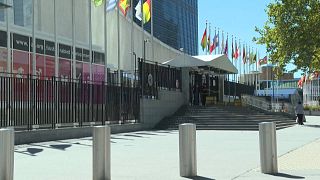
[
  {"x": 2, "y": 12},
  {"x": 22, "y": 12}
]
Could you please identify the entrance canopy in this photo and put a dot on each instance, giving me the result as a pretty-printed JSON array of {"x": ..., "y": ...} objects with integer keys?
[{"x": 219, "y": 62}]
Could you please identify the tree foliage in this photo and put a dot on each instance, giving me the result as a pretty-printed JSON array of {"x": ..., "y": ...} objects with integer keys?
[{"x": 292, "y": 33}]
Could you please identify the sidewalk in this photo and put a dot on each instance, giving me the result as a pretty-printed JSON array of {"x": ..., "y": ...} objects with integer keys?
[{"x": 154, "y": 155}]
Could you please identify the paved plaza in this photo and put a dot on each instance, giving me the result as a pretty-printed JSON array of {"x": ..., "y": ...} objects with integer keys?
[{"x": 154, "y": 155}]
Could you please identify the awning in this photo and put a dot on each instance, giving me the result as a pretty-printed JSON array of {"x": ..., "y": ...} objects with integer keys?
[{"x": 219, "y": 62}]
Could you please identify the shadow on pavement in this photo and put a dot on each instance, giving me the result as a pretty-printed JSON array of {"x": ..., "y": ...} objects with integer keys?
[
  {"x": 62, "y": 147},
  {"x": 200, "y": 178},
  {"x": 151, "y": 134},
  {"x": 289, "y": 176},
  {"x": 30, "y": 151},
  {"x": 132, "y": 135}
]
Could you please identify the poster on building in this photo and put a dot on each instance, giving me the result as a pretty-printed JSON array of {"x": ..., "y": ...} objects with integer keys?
[
  {"x": 3, "y": 60},
  {"x": 64, "y": 69}
]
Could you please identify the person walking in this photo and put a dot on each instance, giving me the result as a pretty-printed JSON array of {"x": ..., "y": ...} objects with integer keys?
[{"x": 299, "y": 113}]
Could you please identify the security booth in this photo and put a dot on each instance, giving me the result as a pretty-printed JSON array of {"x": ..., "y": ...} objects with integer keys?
[{"x": 204, "y": 77}]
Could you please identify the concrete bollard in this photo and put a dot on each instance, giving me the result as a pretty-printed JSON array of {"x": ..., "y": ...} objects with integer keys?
[
  {"x": 268, "y": 147},
  {"x": 101, "y": 153},
  {"x": 187, "y": 150},
  {"x": 6, "y": 154}
]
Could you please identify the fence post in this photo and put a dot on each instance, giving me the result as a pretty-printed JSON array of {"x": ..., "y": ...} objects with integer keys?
[
  {"x": 6, "y": 154},
  {"x": 187, "y": 150},
  {"x": 268, "y": 147},
  {"x": 101, "y": 153}
]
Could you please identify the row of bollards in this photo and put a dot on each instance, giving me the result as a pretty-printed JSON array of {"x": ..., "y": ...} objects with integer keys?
[{"x": 187, "y": 151}]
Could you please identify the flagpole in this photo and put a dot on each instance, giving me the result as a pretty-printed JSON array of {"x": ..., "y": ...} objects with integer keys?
[
  {"x": 118, "y": 34},
  {"x": 240, "y": 61},
  {"x": 73, "y": 76},
  {"x": 132, "y": 43},
  {"x": 56, "y": 64},
  {"x": 105, "y": 43},
  {"x": 267, "y": 69},
  {"x": 9, "y": 61},
  {"x": 90, "y": 41},
  {"x": 206, "y": 37},
  {"x": 33, "y": 39}
]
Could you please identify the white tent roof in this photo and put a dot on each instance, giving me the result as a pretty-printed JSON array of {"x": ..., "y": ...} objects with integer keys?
[{"x": 219, "y": 61}]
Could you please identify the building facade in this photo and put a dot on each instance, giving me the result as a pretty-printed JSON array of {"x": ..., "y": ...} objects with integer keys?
[
  {"x": 176, "y": 24},
  {"x": 71, "y": 39}
]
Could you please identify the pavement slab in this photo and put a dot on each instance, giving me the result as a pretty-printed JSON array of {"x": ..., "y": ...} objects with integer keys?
[{"x": 154, "y": 155}]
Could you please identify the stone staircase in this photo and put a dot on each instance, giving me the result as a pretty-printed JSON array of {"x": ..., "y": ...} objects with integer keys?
[{"x": 223, "y": 118}]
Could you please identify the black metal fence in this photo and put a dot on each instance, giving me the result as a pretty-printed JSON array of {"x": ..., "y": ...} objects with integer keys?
[
  {"x": 236, "y": 89},
  {"x": 154, "y": 76},
  {"x": 30, "y": 102}
]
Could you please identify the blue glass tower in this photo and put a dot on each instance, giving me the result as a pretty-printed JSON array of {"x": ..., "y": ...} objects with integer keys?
[{"x": 176, "y": 23}]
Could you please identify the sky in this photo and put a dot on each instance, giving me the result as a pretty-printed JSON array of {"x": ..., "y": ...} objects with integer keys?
[{"x": 236, "y": 17}]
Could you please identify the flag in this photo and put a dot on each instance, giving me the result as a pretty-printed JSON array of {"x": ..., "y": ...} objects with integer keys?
[
  {"x": 254, "y": 59},
  {"x": 98, "y": 2},
  {"x": 244, "y": 55},
  {"x": 146, "y": 11},
  {"x": 217, "y": 40},
  {"x": 204, "y": 40},
  {"x": 222, "y": 44},
  {"x": 209, "y": 42},
  {"x": 236, "y": 52},
  {"x": 111, "y": 5},
  {"x": 232, "y": 51},
  {"x": 124, "y": 5},
  {"x": 138, "y": 11},
  {"x": 214, "y": 44},
  {"x": 226, "y": 48},
  {"x": 264, "y": 60}
]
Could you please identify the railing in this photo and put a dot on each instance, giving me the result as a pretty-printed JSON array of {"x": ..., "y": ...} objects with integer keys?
[
  {"x": 153, "y": 76},
  {"x": 29, "y": 102},
  {"x": 263, "y": 104}
]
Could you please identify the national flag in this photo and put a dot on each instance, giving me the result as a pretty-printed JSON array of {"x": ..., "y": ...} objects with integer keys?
[
  {"x": 204, "y": 40},
  {"x": 98, "y": 2},
  {"x": 226, "y": 48},
  {"x": 264, "y": 60},
  {"x": 217, "y": 40},
  {"x": 222, "y": 44},
  {"x": 209, "y": 42},
  {"x": 111, "y": 5},
  {"x": 232, "y": 51},
  {"x": 236, "y": 52},
  {"x": 254, "y": 59},
  {"x": 214, "y": 44},
  {"x": 244, "y": 55},
  {"x": 124, "y": 5},
  {"x": 138, "y": 11},
  {"x": 146, "y": 11}
]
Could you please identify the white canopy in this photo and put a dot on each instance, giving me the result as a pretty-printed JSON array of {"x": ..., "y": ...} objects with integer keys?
[{"x": 219, "y": 61}]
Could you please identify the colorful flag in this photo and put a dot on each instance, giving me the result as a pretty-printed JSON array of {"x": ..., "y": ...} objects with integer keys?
[
  {"x": 98, "y": 2},
  {"x": 209, "y": 42},
  {"x": 111, "y": 5},
  {"x": 204, "y": 40},
  {"x": 146, "y": 11},
  {"x": 232, "y": 51},
  {"x": 214, "y": 44},
  {"x": 226, "y": 48},
  {"x": 222, "y": 44},
  {"x": 236, "y": 52},
  {"x": 217, "y": 40},
  {"x": 264, "y": 60},
  {"x": 244, "y": 55},
  {"x": 138, "y": 11},
  {"x": 124, "y": 5}
]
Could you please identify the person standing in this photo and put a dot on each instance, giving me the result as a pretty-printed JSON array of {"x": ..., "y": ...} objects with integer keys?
[{"x": 299, "y": 113}]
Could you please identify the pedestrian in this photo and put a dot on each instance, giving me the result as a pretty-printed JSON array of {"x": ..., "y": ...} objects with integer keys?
[
  {"x": 299, "y": 113},
  {"x": 196, "y": 95},
  {"x": 203, "y": 94}
]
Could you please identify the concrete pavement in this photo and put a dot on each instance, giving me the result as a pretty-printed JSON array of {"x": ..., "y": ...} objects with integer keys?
[{"x": 154, "y": 155}]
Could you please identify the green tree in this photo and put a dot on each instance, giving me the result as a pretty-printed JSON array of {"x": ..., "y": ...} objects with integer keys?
[{"x": 292, "y": 33}]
